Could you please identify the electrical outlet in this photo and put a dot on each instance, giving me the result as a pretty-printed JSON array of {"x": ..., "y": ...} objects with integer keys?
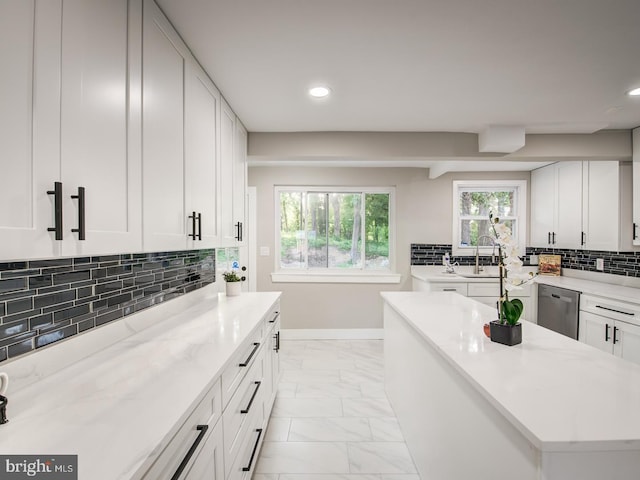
[
  {"x": 600, "y": 264},
  {"x": 533, "y": 259}
]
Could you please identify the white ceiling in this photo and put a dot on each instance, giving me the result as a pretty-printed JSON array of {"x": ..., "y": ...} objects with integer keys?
[{"x": 552, "y": 66}]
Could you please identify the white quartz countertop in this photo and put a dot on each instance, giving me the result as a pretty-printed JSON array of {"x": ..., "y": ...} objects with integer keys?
[
  {"x": 115, "y": 407},
  {"x": 562, "y": 395},
  {"x": 606, "y": 290}
]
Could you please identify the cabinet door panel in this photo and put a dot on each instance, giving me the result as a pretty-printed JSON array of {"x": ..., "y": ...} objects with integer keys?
[
  {"x": 636, "y": 186},
  {"x": 201, "y": 107},
  {"x": 94, "y": 127},
  {"x": 627, "y": 343},
  {"x": 569, "y": 205},
  {"x": 592, "y": 331},
  {"x": 227, "y": 129},
  {"x": 601, "y": 219},
  {"x": 29, "y": 126},
  {"x": 162, "y": 135},
  {"x": 542, "y": 205}
]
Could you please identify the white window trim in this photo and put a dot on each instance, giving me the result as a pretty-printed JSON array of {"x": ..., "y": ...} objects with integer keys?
[
  {"x": 329, "y": 275},
  {"x": 521, "y": 206}
]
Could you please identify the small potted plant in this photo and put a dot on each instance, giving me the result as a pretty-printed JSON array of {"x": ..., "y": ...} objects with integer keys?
[
  {"x": 233, "y": 286},
  {"x": 507, "y": 329}
]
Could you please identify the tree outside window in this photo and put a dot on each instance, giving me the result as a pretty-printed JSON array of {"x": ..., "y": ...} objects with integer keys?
[{"x": 337, "y": 230}]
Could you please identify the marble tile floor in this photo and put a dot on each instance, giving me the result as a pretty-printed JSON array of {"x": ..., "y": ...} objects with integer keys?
[{"x": 331, "y": 419}]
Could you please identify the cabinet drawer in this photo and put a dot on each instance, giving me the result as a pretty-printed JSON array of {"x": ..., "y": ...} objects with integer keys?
[
  {"x": 460, "y": 288},
  {"x": 206, "y": 413},
  {"x": 245, "y": 463},
  {"x": 484, "y": 290},
  {"x": 240, "y": 363},
  {"x": 246, "y": 403},
  {"x": 614, "y": 309}
]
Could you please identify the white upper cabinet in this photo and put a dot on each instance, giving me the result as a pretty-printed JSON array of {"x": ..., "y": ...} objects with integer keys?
[
  {"x": 543, "y": 205},
  {"x": 29, "y": 130},
  {"x": 94, "y": 155},
  {"x": 556, "y": 205},
  {"x": 577, "y": 205},
  {"x": 163, "y": 182},
  {"x": 202, "y": 105},
  {"x": 600, "y": 214},
  {"x": 233, "y": 176},
  {"x": 65, "y": 127},
  {"x": 636, "y": 186}
]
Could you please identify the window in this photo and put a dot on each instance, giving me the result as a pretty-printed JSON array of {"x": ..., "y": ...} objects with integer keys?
[
  {"x": 334, "y": 230},
  {"x": 472, "y": 203}
]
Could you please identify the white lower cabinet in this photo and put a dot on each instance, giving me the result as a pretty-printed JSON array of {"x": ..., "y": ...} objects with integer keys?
[
  {"x": 221, "y": 438},
  {"x": 191, "y": 447},
  {"x": 610, "y": 326},
  {"x": 483, "y": 292}
]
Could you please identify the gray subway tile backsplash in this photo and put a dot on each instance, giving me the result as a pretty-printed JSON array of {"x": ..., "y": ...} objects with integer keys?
[
  {"x": 616, "y": 263},
  {"x": 46, "y": 301}
]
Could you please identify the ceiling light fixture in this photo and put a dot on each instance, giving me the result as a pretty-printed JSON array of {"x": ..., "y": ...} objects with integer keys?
[
  {"x": 319, "y": 92},
  {"x": 634, "y": 92}
]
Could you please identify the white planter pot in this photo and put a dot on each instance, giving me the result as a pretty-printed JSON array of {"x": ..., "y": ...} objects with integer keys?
[{"x": 233, "y": 288}]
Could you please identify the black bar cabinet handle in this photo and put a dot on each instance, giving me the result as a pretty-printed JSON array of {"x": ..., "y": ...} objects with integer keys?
[
  {"x": 81, "y": 230},
  {"x": 553, "y": 237},
  {"x": 635, "y": 231},
  {"x": 549, "y": 238},
  {"x": 253, "y": 352},
  {"x": 616, "y": 311},
  {"x": 583, "y": 240},
  {"x": 57, "y": 208},
  {"x": 255, "y": 392},
  {"x": 277, "y": 349},
  {"x": 193, "y": 217},
  {"x": 615, "y": 334},
  {"x": 203, "y": 430},
  {"x": 239, "y": 228},
  {"x": 200, "y": 226},
  {"x": 253, "y": 453},
  {"x": 606, "y": 332},
  {"x": 275, "y": 317}
]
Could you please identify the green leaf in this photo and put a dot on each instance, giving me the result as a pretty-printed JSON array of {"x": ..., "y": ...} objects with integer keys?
[{"x": 512, "y": 310}]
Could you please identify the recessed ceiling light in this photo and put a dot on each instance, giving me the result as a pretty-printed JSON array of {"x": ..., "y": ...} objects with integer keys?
[
  {"x": 319, "y": 92},
  {"x": 634, "y": 92}
]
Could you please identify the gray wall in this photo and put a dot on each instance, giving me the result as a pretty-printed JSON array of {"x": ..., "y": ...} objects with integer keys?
[{"x": 423, "y": 215}]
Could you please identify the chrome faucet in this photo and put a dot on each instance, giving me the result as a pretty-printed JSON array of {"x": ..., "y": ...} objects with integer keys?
[{"x": 478, "y": 268}]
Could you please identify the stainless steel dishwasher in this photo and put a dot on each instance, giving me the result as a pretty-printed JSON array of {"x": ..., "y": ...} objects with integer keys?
[{"x": 558, "y": 310}]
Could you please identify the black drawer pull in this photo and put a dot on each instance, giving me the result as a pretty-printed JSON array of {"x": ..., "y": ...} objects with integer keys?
[
  {"x": 81, "y": 230},
  {"x": 203, "y": 430},
  {"x": 606, "y": 332},
  {"x": 616, "y": 311},
  {"x": 615, "y": 334},
  {"x": 57, "y": 209},
  {"x": 255, "y": 392},
  {"x": 277, "y": 349},
  {"x": 253, "y": 352},
  {"x": 449, "y": 290},
  {"x": 275, "y": 317},
  {"x": 253, "y": 453},
  {"x": 635, "y": 230}
]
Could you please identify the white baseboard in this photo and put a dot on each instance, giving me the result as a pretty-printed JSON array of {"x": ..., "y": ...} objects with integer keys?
[{"x": 332, "y": 334}]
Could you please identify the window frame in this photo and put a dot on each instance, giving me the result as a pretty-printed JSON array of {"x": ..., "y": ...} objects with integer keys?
[
  {"x": 520, "y": 188},
  {"x": 337, "y": 275}
]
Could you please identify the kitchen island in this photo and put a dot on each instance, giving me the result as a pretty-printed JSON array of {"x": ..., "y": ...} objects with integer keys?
[{"x": 551, "y": 408}]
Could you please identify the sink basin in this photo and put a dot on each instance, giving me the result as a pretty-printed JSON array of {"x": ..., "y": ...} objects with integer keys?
[{"x": 478, "y": 275}]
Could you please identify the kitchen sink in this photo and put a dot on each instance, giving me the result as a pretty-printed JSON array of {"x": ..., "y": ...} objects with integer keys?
[{"x": 479, "y": 275}]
